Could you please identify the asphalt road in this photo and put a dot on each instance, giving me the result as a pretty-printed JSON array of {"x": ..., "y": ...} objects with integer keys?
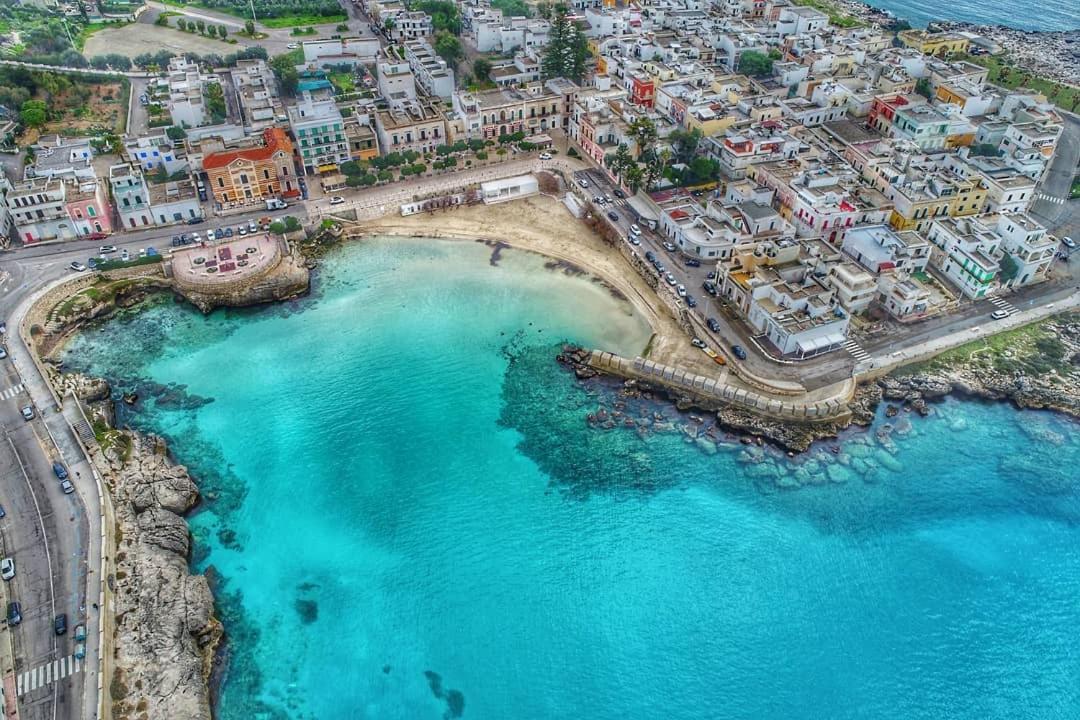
[{"x": 45, "y": 531}]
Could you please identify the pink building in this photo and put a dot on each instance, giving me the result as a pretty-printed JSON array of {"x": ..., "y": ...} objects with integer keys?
[{"x": 87, "y": 207}]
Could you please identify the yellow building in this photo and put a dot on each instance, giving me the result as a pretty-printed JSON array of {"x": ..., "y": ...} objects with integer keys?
[{"x": 934, "y": 43}]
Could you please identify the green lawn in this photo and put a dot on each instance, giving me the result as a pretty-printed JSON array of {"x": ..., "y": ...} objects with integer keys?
[
  {"x": 342, "y": 82},
  {"x": 837, "y": 16}
]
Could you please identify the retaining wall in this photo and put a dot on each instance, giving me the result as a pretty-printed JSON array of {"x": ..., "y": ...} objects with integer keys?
[{"x": 716, "y": 390}]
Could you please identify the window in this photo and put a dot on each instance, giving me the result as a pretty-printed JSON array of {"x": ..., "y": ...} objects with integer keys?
[
  {"x": 221, "y": 182},
  {"x": 90, "y": 211}
]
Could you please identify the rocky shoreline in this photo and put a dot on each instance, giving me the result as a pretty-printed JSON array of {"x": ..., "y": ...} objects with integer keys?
[
  {"x": 1043, "y": 373},
  {"x": 165, "y": 634}
]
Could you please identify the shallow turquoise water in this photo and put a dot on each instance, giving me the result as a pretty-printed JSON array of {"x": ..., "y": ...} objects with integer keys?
[
  {"x": 1049, "y": 15},
  {"x": 411, "y": 518}
]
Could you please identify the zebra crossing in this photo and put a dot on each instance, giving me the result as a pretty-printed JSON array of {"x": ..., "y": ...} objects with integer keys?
[
  {"x": 856, "y": 350},
  {"x": 1050, "y": 198},
  {"x": 1003, "y": 304},
  {"x": 11, "y": 392},
  {"x": 47, "y": 674}
]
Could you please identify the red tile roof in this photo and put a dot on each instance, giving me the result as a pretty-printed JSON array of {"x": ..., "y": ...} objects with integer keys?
[{"x": 274, "y": 139}]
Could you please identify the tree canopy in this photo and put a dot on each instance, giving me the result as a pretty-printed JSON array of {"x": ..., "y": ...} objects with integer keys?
[
  {"x": 755, "y": 63},
  {"x": 567, "y": 50}
]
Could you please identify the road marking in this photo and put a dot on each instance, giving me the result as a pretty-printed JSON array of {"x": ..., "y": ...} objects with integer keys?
[
  {"x": 856, "y": 350},
  {"x": 46, "y": 674},
  {"x": 1004, "y": 304},
  {"x": 1050, "y": 198},
  {"x": 11, "y": 392}
]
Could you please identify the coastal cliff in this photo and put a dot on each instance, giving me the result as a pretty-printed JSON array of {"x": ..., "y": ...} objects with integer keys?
[
  {"x": 289, "y": 278},
  {"x": 165, "y": 633}
]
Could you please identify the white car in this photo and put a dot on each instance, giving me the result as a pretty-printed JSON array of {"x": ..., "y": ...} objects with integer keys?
[
  {"x": 292, "y": 46},
  {"x": 1069, "y": 243},
  {"x": 681, "y": 290},
  {"x": 635, "y": 229},
  {"x": 77, "y": 266},
  {"x": 999, "y": 314},
  {"x": 7, "y": 568},
  {"x": 545, "y": 156},
  {"x": 105, "y": 249},
  {"x": 210, "y": 236},
  {"x": 125, "y": 255},
  {"x": 252, "y": 227},
  {"x": 583, "y": 183},
  {"x": 242, "y": 230},
  {"x": 337, "y": 200}
]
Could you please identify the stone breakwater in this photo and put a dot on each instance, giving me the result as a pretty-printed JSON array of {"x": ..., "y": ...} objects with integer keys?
[
  {"x": 1037, "y": 367},
  {"x": 165, "y": 633}
]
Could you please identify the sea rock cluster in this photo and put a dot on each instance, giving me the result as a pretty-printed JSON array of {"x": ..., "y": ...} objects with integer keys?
[{"x": 165, "y": 632}]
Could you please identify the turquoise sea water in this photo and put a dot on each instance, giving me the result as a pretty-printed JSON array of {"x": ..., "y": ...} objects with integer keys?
[
  {"x": 1049, "y": 15},
  {"x": 409, "y": 516}
]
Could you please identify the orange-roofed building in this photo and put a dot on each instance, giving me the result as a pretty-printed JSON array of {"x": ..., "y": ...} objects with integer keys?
[{"x": 251, "y": 175}]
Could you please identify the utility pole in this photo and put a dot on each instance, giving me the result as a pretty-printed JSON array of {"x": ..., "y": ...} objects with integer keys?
[{"x": 251, "y": 3}]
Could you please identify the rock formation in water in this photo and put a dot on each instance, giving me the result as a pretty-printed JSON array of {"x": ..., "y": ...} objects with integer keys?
[{"x": 164, "y": 630}]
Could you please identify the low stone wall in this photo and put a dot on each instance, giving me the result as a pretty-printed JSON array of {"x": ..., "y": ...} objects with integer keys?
[{"x": 721, "y": 392}]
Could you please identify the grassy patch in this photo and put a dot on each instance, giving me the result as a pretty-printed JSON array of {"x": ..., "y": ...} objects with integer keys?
[
  {"x": 301, "y": 20},
  {"x": 134, "y": 262},
  {"x": 1011, "y": 77},
  {"x": 88, "y": 30},
  {"x": 1031, "y": 350}
]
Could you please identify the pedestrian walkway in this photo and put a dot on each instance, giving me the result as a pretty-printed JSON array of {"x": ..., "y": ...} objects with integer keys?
[
  {"x": 1049, "y": 198},
  {"x": 47, "y": 674},
  {"x": 11, "y": 392},
  {"x": 1004, "y": 304},
  {"x": 856, "y": 350}
]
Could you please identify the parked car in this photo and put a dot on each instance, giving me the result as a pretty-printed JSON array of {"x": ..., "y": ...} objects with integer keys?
[
  {"x": 252, "y": 227},
  {"x": 80, "y": 651},
  {"x": 613, "y": 216},
  {"x": 619, "y": 193},
  {"x": 583, "y": 183},
  {"x": 711, "y": 275},
  {"x": 14, "y": 613},
  {"x": 691, "y": 301},
  {"x": 151, "y": 252},
  {"x": 633, "y": 239},
  {"x": 242, "y": 230},
  {"x": 80, "y": 633},
  {"x": 681, "y": 290},
  {"x": 3, "y": 353},
  {"x": 709, "y": 287},
  {"x": 59, "y": 471},
  {"x": 337, "y": 200},
  {"x": 670, "y": 247},
  {"x": 693, "y": 262},
  {"x": 125, "y": 255},
  {"x": 176, "y": 241},
  {"x": 545, "y": 156},
  {"x": 292, "y": 46},
  {"x": 738, "y": 351},
  {"x": 597, "y": 200},
  {"x": 67, "y": 487},
  {"x": 650, "y": 256},
  {"x": 697, "y": 342},
  {"x": 228, "y": 232},
  {"x": 27, "y": 412},
  {"x": 671, "y": 280},
  {"x": 999, "y": 314},
  {"x": 106, "y": 249},
  {"x": 7, "y": 568},
  {"x": 635, "y": 229},
  {"x": 77, "y": 266},
  {"x": 195, "y": 221},
  {"x": 660, "y": 267},
  {"x": 211, "y": 236},
  {"x": 713, "y": 324},
  {"x": 3, "y": 513},
  {"x": 60, "y": 624},
  {"x": 142, "y": 251}
]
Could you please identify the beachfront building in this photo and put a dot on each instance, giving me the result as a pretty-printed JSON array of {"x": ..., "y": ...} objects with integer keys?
[
  {"x": 943, "y": 43},
  {"x": 780, "y": 288},
  {"x": 131, "y": 196},
  {"x": 432, "y": 74},
  {"x": 319, "y": 131},
  {"x": 39, "y": 210},
  {"x": 488, "y": 114},
  {"x": 249, "y": 175},
  {"x": 1029, "y": 248},
  {"x": 419, "y": 125},
  {"x": 967, "y": 253}
]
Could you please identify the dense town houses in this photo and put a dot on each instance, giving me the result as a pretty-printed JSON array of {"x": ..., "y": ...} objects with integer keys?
[{"x": 823, "y": 172}]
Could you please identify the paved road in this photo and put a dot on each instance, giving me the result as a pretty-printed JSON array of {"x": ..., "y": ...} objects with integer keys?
[
  {"x": 47, "y": 534},
  {"x": 1051, "y": 206}
]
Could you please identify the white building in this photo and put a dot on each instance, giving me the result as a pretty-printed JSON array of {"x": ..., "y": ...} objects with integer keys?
[
  {"x": 512, "y": 188},
  {"x": 319, "y": 130}
]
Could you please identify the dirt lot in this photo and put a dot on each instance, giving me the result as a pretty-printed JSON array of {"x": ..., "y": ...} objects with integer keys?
[{"x": 139, "y": 38}]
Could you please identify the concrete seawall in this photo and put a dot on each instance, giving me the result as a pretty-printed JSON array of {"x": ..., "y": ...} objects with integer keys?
[{"x": 716, "y": 390}]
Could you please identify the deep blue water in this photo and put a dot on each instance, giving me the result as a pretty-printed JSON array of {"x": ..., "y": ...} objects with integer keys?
[
  {"x": 1028, "y": 15},
  {"x": 411, "y": 518}
]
